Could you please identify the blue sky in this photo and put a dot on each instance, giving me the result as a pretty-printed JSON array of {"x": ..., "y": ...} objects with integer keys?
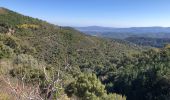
[{"x": 112, "y": 13}]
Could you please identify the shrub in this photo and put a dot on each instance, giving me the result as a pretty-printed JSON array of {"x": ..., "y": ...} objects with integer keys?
[
  {"x": 113, "y": 97},
  {"x": 27, "y": 26},
  {"x": 86, "y": 86},
  {"x": 27, "y": 67},
  {"x": 26, "y": 60},
  {"x": 5, "y": 51},
  {"x": 31, "y": 75}
]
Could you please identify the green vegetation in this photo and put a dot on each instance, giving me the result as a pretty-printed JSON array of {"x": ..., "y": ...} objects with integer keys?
[
  {"x": 147, "y": 41},
  {"x": 5, "y": 51},
  {"x": 88, "y": 87},
  {"x": 144, "y": 76},
  {"x": 27, "y": 26},
  {"x": 39, "y": 53},
  {"x": 59, "y": 62}
]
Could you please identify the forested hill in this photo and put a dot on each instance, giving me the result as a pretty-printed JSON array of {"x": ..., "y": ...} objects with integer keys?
[
  {"x": 37, "y": 52},
  {"x": 53, "y": 43},
  {"x": 146, "y": 41},
  {"x": 42, "y": 61}
]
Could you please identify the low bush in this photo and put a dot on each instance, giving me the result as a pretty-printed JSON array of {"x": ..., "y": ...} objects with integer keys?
[{"x": 5, "y": 51}]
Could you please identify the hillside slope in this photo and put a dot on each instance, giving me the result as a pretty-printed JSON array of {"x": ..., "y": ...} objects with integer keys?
[
  {"x": 54, "y": 43},
  {"x": 36, "y": 52}
]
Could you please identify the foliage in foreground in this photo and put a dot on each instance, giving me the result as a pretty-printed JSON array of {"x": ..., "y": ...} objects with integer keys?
[{"x": 89, "y": 87}]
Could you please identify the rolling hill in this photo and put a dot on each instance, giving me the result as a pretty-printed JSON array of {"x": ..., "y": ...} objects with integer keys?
[
  {"x": 51, "y": 41},
  {"x": 29, "y": 45}
]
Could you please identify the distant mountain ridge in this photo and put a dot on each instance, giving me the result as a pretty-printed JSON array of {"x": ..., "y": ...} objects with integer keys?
[
  {"x": 121, "y": 33},
  {"x": 131, "y": 29}
]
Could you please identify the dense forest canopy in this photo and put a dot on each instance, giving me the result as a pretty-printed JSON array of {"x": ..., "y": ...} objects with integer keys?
[{"x": 146, "y": 41}]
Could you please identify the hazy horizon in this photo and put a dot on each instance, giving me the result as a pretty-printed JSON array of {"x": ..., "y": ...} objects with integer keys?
[
  {"x": 106, "y": 13},
  {"x": 119, "y": 27}
]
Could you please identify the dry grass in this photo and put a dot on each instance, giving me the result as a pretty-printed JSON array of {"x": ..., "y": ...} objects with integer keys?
[
  {"x": 17, "y": 90},
  {"x": 5, "y": 92},
  {"x": 2, "y": 11},
  {"x": 6, "y": 96}
]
